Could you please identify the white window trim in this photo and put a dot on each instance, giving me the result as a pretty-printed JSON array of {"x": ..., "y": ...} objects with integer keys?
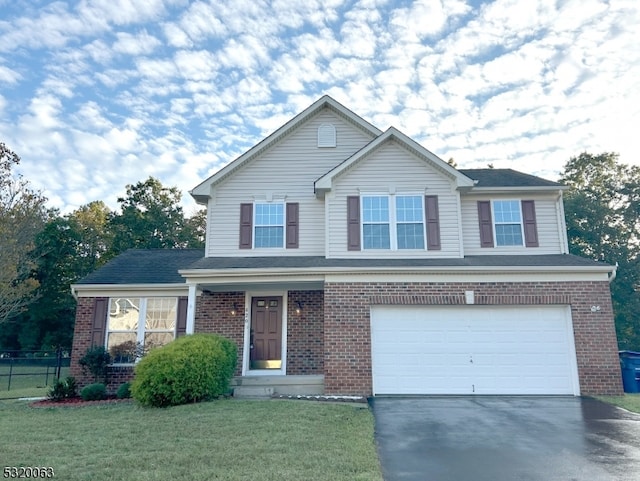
[
  {"x": 255, "y": 225},
  {"x": 495, "y": 223},
  {"x": 393, "y": 223},
  {"x": 140, "y": 332}
]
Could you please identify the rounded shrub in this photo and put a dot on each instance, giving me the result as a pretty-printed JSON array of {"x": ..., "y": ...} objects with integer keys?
[
  {"x": 190, "y": 369},
  {"x": 94, "y": 392},
  {"x": 124, "y": 391}
]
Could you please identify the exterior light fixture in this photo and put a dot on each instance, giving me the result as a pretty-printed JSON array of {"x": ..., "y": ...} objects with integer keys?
[
  {"x": 298, "y": 307},
  {"x": 234, "y": 311}
]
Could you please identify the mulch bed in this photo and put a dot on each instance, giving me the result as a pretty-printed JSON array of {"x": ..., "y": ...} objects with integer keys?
[{"x": 77, "y": 402}]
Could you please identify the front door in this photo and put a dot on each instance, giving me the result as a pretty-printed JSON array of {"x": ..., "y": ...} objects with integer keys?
[{"x": 266, "y": 333}]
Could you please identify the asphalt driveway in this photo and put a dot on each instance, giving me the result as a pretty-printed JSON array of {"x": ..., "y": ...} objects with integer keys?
[{"x": 506, "y": 439}]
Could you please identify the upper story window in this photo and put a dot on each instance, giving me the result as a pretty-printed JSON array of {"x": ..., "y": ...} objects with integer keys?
[
  {"x": 269, "y": 225},
  {"x": 508, "y": 222},
  {"x": 137, "y": 324},
  {"x": 393, "y": 222}
]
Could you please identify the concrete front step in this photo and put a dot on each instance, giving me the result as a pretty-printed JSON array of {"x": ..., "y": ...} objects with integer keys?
[
  {"x": 265, "y": 386},
  {"x": 253, "y": 391}
]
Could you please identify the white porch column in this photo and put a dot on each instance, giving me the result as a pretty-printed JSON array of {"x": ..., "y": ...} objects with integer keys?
[{"x": 191, "y": 308}]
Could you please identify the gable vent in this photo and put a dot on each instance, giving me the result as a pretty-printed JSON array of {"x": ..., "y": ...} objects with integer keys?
[{"x": 326, "y": 136}]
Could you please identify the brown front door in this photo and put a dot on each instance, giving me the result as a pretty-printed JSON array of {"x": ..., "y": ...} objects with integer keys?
[{"x": 266, "y": 333}]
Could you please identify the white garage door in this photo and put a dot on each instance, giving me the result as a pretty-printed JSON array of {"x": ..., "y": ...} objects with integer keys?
[{"x": 473, "y": 350}]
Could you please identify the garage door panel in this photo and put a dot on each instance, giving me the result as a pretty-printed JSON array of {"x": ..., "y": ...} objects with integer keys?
[{"x": 473, "y": 349}]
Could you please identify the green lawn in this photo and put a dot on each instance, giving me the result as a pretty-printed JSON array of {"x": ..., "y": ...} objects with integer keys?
[
  {"x": 630, "y": 402},
  {"x": 221, "y": 440}
]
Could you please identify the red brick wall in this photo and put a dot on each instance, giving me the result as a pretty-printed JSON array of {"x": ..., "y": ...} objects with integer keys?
[
  {"x": 305, "y": 333},
  {"x": 347, "y": 336},
  {"x": 82, "y": 341},
  {"x": 213, "y": 315}
]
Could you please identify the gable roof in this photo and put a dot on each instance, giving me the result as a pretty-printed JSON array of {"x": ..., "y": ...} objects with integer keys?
[
  {"x": 202, "y": 192},
  {"x": 499, "y": 178},
  {"x": 324, "y": 183}
]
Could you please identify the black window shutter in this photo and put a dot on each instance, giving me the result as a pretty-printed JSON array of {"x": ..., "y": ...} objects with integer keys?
[
  {"x": 292, "y": 241},
  {"x": 486, "y": 224},
  {"x": 99, "y": 325},
  {"x": 433, "y": 222},
  {"x": 529, "y": 223},
  {"x": 181, "y": 320},
  {"x": 246, "y": 226},
  {"x": 353, "y": 223}
]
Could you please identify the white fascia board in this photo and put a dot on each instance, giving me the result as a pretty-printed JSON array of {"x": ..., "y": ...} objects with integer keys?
[
  {"x": 122, "y": 290},
  {"x": 315, "y": 274}
]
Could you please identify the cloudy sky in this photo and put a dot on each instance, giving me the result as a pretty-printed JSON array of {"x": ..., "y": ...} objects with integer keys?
[{"x": 97, "y": 94}]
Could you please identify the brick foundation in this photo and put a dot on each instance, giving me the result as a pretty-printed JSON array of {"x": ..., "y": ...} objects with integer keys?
[{"x": 348, "y": 336}]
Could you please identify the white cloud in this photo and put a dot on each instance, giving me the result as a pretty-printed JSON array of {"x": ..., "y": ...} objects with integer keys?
[
  {"x": 176, "y": 88},
  {"x": 9, "y": 76},
  {"x": 135, "y": 44}
]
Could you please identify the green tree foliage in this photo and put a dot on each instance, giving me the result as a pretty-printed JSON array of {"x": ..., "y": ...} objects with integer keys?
[
  {"x": 152, "y": 218},
  {"x": 23, "y": 215},
  {"x": 69, "y": 247},
  {"x": 603, "y": 222}
]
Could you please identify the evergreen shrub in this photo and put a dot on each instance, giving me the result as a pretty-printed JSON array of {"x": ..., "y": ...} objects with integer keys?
[{"x": 189, "y": 369}]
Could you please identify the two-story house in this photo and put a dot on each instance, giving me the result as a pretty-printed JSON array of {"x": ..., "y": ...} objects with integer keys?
[{"x": 346, "y": 260}]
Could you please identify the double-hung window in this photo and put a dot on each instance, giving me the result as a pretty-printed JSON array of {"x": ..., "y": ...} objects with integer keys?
[
  {"x": 376, "y": 222},
  {"x": 269, "y": 225},
  {"x": 137, "y": 324},
  {"x": 410, "y": 222},
  {"x": 393, "y": 222},
  {"x": 508, "y": 222}
]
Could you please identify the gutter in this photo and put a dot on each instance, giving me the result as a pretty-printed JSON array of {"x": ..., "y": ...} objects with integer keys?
[{"x": 614, "y": 273}]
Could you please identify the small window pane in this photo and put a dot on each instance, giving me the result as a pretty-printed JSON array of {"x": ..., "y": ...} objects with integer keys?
[
  {"x": 509, "y": 235},
  {"x": 409, "y": 208},
  {"x": 122, "y": 347},
  {"x": 124, "y": 314},
  {"x": 269, "y": 236},
  {"x": 410, "y": 236},
  {"x": 161, "y": 313},
  {"x": 156, "y": 339},
  {"x": 375, "y": 209},
  {"x": 376, "y": 236},
  {"x": 507, "y": 211}
]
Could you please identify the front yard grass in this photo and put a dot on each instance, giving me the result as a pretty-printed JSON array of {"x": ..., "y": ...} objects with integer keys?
[
  {"x": 630, "y": 402},
  {"x": 221, "y": 440}
]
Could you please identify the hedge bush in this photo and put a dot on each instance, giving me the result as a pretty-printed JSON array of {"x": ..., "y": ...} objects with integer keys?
[
  {"x": 94, "y": 392},
  {"x": 124, "y": 391},
  {"x": 189, "y": 369}
]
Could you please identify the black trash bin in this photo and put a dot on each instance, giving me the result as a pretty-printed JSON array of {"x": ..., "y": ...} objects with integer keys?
[{"x": 630, "y": 364}]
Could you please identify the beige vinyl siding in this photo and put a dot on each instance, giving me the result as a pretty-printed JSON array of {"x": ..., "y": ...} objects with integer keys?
[
  {"x": 549, "y": 234},
  {"x": 410, "y": 174},
  {"x": 285, "y": 171}
]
